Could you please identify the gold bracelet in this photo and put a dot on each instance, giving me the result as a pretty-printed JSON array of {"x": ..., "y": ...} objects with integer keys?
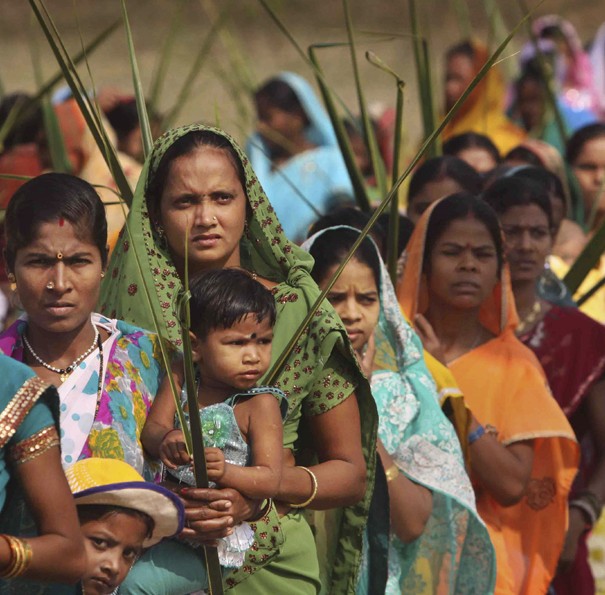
[
  {"x": 392, "y": 472},
  {"x": 21, "y": 557},
  {"x": 313, "y": 494}
]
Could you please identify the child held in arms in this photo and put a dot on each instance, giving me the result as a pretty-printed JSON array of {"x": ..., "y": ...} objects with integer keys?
[{"x": 232, "y": 319}]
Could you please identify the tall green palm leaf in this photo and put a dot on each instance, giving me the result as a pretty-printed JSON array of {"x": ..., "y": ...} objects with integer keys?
[
  {"x": 393, "y": 232},
  {"x": 282, "y": 358},
  {"x": 138, "y": 87},
  {"x": 368, "y": 130},
  {"x": 45, "y": 88},
  {"x": 80, "y": 94}
]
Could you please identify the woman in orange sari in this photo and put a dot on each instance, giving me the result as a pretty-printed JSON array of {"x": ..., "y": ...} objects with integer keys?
[
  {"x": 484, "y": 109},
  {"x": 523, "y": 451}
]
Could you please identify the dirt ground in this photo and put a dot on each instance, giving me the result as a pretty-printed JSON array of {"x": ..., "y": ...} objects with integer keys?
[{"x": 262, "y": 48}]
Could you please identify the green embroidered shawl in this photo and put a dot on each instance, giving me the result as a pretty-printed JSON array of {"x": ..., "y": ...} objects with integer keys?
[{"x": 320, "y": 372}]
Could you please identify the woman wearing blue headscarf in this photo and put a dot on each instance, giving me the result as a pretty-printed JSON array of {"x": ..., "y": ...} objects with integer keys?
[{"x": 295, "y": 154}]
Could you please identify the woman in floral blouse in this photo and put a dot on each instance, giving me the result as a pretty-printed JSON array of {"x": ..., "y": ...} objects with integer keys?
[{"x": 106, "y": 371}]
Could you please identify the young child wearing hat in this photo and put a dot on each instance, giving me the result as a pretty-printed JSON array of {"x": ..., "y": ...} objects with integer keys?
[{"x": 120, "y": 515}]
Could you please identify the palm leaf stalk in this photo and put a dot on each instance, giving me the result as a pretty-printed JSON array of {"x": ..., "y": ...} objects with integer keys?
[
  {"x": 281, "y": 360},
  {"x": 161, "y": 68},
  {"x": 138, "y": 87},
  {"x": 31, "y": 103},
  {"x": 591, "y": 254},
  {"x": 423, "y": 73},
  {"x": 549, "y": 86},
  {"x": 239, "y": 63},
  {"x": 369, "y": 134},
  {"x": 54, "y": 138},
  {"x": 598, "y": 285},
  {"x": 464, "y": 18},
  {"x": 196, "y": 68},
  {"x": 393, "y": 233},
  {"x": 80, "y": 94},
  {"x": 594, "y": 209},
  {"x": 359, "y": 187},
  {"x": 215, "y": 578}
]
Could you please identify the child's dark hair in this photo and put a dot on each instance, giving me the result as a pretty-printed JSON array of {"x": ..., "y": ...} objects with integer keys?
[
  {"x": 331, "y": 247},
  {"x": 97, "y": 512},
  {"x": 50, "y": 197},
  {"x": 222, "y": 298}
]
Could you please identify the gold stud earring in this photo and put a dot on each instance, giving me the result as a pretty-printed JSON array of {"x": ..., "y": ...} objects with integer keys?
[
  {"x": 13, "y": 281},
  {"x": 102, "y": 274}
]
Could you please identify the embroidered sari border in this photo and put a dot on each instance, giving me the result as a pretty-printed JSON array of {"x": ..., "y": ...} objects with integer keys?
[{"x": 19, "y": 406}]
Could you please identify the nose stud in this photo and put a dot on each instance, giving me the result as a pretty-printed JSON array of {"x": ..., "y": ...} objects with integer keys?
[
  {"x": 50, "y": 285},
  {"x": 214, "y": 218}
]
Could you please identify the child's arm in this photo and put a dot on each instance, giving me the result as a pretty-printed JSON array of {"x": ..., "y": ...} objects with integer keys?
[
  {"x": 159, "y": 437},
  {"x": 265, "y": 437}
]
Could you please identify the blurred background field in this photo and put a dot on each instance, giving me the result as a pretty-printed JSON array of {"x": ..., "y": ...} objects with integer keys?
[{"x": 251, "y": 44}]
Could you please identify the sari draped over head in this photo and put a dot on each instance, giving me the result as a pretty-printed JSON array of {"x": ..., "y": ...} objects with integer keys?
[
  {"x": 484, "y": 109},
  {"x": 504, "y": 386},
  {"x": 571, "y": 348},
  {"x": 320, "y": 372},
  {"x": 574, "y": 79},
  {"x": 308, "y": 184},
  {"x": 454, "y": 554},
  {"x": 28, "y": 418}
]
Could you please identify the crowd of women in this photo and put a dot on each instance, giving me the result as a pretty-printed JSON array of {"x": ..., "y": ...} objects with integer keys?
[{"x": 438, "y": 432}]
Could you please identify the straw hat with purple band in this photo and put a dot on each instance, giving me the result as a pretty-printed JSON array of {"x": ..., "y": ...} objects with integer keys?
[{"x": 116, "y": 483}]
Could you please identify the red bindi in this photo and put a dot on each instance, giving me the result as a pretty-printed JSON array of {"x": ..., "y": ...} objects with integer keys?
[{"x": 61, "y": 222}]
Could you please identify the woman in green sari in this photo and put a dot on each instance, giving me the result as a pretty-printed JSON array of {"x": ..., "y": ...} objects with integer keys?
[{"x": 198, "y": 188}]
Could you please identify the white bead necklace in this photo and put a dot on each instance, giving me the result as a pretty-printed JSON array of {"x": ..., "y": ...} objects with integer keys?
[{"x": 63, "y": 372}]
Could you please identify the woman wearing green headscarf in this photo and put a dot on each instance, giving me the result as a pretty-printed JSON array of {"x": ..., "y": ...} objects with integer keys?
[{"x": 198, "y": 187}]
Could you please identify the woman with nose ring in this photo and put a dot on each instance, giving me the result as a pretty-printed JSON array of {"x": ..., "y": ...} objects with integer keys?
[
  {"x": 523, "y": 452},
  {"x": 104, "y": 369},
  {"x": 571, "y": 348}
]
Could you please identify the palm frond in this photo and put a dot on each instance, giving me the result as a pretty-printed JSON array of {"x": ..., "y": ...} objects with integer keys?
[
  {"x": 80, "y": 94},
  {"x": 200, "y": 59},
  {"x": 281, "y": 360},
  {"x": 138, "y": 87}
]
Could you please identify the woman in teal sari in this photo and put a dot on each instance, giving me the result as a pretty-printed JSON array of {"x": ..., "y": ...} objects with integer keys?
[
  {"x": 29, "y": 454},
  {"x": 438, "y": 543}
]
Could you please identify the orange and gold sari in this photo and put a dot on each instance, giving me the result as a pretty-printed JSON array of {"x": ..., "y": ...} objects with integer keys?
[
  {"x": 504, "y": 385},
  {"x": 484, "y": 110}
]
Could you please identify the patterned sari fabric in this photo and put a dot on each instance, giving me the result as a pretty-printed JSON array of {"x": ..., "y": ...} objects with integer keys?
[
  {"x": 571, "y": 348},
  {"x": 319, "y": 373},
  {"x": 131, "y": 377},
  {"x": 28, "y": 426},
  {"x": 454, "y": 554},
  {"x": 504, "y": 386}
]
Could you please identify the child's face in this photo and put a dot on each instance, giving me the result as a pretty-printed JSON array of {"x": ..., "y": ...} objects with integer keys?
[
  {"x": 236, "y": 357},
  {"x": 112, "y": 545}
]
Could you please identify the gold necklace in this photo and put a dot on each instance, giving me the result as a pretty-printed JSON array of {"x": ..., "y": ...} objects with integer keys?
[{"x": 536, "y": 310}]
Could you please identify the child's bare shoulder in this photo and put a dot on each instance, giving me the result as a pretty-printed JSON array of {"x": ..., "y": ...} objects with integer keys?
[{"x": 261, "y": 403}]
